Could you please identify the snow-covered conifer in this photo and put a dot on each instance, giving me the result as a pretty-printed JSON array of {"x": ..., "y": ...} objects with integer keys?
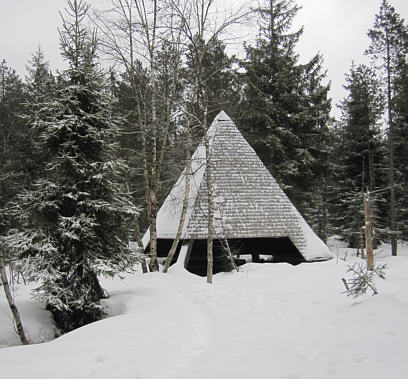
[{"x": 75, "y": 219}]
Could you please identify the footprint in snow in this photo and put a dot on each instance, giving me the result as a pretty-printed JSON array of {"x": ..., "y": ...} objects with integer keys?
[{"x": 359, "y": 359}]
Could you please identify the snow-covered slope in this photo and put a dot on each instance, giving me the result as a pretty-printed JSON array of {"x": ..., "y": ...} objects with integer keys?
[{"x": 266, "y": 321}]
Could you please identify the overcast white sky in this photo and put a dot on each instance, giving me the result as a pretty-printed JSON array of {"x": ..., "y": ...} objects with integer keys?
[{"x": 336, "y": 28}]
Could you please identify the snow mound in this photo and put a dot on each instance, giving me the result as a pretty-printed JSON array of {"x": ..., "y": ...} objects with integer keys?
[{"x": 270, "y": 320}]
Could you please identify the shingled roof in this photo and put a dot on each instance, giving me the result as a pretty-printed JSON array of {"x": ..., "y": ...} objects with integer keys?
[{"x": 248, "y": 201}]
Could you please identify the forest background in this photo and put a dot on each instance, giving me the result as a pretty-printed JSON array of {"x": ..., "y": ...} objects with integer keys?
[{"x": 89, "y": 153}]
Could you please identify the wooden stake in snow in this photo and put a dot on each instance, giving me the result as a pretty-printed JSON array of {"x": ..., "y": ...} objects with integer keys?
[
  {"x": 368, "y": 231},
  {"x": 345, "y": 284},
  {"x": 10, "y": 300}
]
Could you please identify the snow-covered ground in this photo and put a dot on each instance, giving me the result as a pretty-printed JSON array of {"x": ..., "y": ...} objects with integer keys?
[{"x": 266, "y": 321}]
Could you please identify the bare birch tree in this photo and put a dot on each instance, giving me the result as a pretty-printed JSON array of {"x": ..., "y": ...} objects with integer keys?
[
  {"x": 132, "y": 30},
  {"x": 136, "y": 30},
  {"x": 187, "y": 178},
  {"x": 388, "y": 49},
  {"x": 200, "y": 26},
  {"x": 10, "y": 300}
]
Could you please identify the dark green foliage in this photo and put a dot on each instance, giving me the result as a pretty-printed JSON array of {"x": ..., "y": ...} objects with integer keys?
[
  {"x": 285, "y": 108},
  {"x": 317, "y": 210},
  {"x": 360, "y": 152},
  {"x": 401, "y": 148},
  {"x": 132, "y": 95},
  {"x": 389, "y": 40},
  {"x": 388, "y": 50},
  {"x": 75, "y": 221},
  {"x": 314, "y": 181},
  {"x": 40, "y": 86},
  {"x": 13, "y": 131},
  {"x": 12, "y": 99}
]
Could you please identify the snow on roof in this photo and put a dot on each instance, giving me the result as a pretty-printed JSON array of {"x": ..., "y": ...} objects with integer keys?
[{"x": 248, "y": 201}]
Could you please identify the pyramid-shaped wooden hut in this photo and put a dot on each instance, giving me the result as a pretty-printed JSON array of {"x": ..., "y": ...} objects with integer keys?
[{"x": 251, "y": 210}]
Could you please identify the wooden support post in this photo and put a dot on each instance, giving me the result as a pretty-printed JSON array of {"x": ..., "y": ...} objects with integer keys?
[
  {"x": 368, "y": 231},
  {"x": 188, "y": 254}
]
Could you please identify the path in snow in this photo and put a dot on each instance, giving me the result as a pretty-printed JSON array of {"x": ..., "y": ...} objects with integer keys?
[
  {"x": 299, "y": 330},
  {"x": 156, "y": 337}
]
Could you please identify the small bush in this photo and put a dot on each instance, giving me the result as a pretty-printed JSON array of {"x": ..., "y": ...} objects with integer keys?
[{"x": 363, "y": 279}]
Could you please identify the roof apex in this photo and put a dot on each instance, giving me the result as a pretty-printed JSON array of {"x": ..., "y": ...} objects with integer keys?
[{"x": 222, "y": 116}]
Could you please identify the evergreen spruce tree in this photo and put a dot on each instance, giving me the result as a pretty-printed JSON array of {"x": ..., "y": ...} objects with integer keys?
[
  {"x": 317, "y": 141},
  {"x": 285, "y": 104},
  {"x": 12, "y": 99},
  {"x": 360, "y": 153},
  {"x": 401, "y": 147},
  {"x": 12, "y": 171},
  {"x": 40, "y": 86},
  {"x": 12, "y": 134},
  {"x": 39, "y": 77},
  {"x": 131, "y": 93},
  {"x": 75, "y": 219},
  {"x": 389, "y": 49}
]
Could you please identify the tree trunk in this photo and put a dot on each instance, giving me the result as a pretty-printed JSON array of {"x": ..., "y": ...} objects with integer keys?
[
  {"x": 229, "y": 254},
  {"x": 10, "y": 300},
  {"x": 210, "y": 226},
  {"x": 323, "y": 215},
  {"x": 136, "y": 230},
  {"x": 169, "y": 103},
  {"x": 371, "y": 185},
  {"x": 185, "y": 205},
  {"x": 154, "y": 179},
  {"x": 153, "y": 266},
  {"x": 368, "y": 232},
  {"x": 154, "y": 185},
  {"x": 391, "y": 154},
  {"x": 210, "y": 199},
  {"x": 139, "y": 242}
]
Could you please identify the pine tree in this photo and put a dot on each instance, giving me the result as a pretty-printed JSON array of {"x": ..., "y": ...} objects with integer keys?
[
  {"x": 12, "y": 140},
  {"x": 12, "y": 173},
  {"x": 316, "y": 139},
  {"x": 12, "y": 99},
  {"x": 75, "y": 219},
  {"x": 39, "y": 85},
  {"x": 360, "y": 151},
  {"x": 131, "y": 94},
  {"x": 285, "y": 104},
  {"x": 400, "y": 108},
  {"x": 388, "y": 48}
]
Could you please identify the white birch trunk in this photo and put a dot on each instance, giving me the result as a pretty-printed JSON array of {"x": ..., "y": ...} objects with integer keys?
[
  {"x": 184, "y": 209},
  {"x": 10, "y": 300}
]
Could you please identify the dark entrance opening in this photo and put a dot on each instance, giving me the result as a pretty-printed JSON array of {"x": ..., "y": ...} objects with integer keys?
[
  {"x": 259, "y": 249},
  {"x": 197, "y": 264},
  {"x": 163, "y": 248}
]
